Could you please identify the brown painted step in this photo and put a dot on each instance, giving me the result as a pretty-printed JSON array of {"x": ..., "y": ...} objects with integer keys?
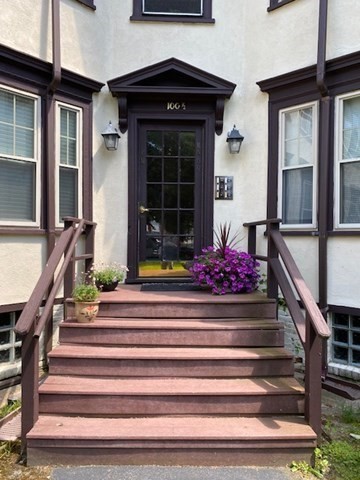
[
  {"x": 169, "y": 440},
  {"x": 170, "y": 361},
  {"x": 130, "y": 301},
  {"x": 170, "y": 396},
  {"x": 249, "y": 332}
]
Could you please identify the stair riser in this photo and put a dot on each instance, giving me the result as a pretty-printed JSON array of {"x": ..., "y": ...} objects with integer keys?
[
  {"x": 171, "y": 368},
  {"x": 100, "y": 454},
  {"x": 109, "y": 336},
  {"x": 190, "y": 310},
  {"x": 75, "y": 404}
]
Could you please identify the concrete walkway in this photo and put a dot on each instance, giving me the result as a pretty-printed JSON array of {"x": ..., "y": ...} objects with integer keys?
[{"x": 173, "y": 473}]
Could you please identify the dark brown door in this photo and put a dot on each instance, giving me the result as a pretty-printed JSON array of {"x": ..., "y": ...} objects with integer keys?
[{"x": 170, "y": 199}]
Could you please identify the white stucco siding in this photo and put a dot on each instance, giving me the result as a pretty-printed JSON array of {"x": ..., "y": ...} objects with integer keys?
[
  {"x": 343, "y": 272},
  {"x": 22, "y": 260}
]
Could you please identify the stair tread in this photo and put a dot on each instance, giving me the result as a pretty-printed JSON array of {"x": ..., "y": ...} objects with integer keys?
[
  {"x": 176, "y": 324},
  {"x": 171, "y": 428},
  {"x": 193, "y": 353},
  {"x": 170, "y": 386}
]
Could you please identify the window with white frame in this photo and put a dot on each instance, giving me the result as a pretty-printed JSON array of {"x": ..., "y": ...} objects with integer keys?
[
  {"x": 347, "y": 163},
  {"x": 10, "y": 343},
  {"x": 19, "y": 158},
  {"x": 297, "y": 172},
  {"x": 69, "y": 161},
  {"x": 345, "y": 339}
]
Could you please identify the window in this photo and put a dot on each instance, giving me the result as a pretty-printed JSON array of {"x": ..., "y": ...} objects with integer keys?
[
  {"x": 88, "y": 3},
  {"x": 345, "y": 343},
  {"x": 347, "y": 163},
  {"x": 10, "y": 343},
  {"x": 297, "y": 181},
  {"x": 69, "y": 163},
  {"x": 173, "y": 10},
  {"x": 19, "y": 158},
  {"x": 277, "y": 3}
]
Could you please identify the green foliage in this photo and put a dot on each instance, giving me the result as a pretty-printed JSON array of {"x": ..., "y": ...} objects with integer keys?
[
  {"x": 108, "y": 274},
  {"x": 7, "y": 448},
  {"x": 344, "y": 458},
  {"x": 321, "y": 465},
  {"x": 9, "y": 407},
  {"x": 350, "y": 415},
  {"x": 85, "y": 292}
]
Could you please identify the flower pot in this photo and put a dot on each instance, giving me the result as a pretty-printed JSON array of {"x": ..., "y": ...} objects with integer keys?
[
  {"x": 86, "y": 312},
  {"x": 107, "y": 287}
]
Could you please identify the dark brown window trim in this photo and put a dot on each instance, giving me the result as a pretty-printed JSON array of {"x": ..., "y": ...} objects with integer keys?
[
  {"x": 21, "y": 231},
  {"x": 344, "y": 233},
  {"x": 12, "y": 307},
  {"x": 345, "y": 310},
  {"x": 139, "y": 16},
  {"x": 88, "y": 3},
  {"x": 274, "y": 4}
]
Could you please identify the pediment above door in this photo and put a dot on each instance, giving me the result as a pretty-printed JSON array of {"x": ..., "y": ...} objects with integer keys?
[{"x": 171, "y": 78}]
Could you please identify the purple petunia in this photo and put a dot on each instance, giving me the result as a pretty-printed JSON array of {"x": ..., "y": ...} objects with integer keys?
[{"x": 225, "y": 270}]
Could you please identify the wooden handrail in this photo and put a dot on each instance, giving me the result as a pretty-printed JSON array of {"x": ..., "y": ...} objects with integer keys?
[
  {"x": 311, "y": 327},
  {"x": 30, "y": 325}
]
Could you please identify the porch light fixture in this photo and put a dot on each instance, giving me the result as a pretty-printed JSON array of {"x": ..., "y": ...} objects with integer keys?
[
  {"x": 111, "y": 137},
  {"x": 234, "y": 140}
]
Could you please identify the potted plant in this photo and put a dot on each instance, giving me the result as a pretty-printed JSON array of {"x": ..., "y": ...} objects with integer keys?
[
  {"x": 225, "y": 269},
  {"x": 108, "y": 276},
  {"x": 85, "y": 296}
]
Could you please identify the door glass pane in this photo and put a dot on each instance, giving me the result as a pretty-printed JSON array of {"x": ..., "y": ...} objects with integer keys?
[
  {"x": 171, "y": 170},
  {"x": 187, "y": 198},
  {"x": 186, "y": 251},
  {"x": 187, "y": 143},
  {"x": 350, "y": 192},
  {"x": 186, "y": 223},
  {"x": 154, "y": 169},
  {"x": 170, "y": 196},
  {"x": 187, "y": 170},
  {"x": 171, "y": 144},
  {"x": 297, "y": 196},
  {"x": 154, "y": 194},
  {"x": 154, "y": 144},
  {"x": 170, "y": 224}
]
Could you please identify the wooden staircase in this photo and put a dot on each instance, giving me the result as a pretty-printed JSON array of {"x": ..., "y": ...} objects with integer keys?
[{"x": 172, "y": 378}]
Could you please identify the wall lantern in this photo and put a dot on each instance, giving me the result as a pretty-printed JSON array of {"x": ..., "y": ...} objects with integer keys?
[
  {"x": 234, "y": 140},
  {"x": 111, "y": 137}
]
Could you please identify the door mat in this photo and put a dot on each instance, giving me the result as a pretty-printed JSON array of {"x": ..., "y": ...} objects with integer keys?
[{"x": 169, "y": 287}]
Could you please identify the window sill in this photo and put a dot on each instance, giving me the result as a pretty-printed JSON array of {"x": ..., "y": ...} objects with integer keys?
[
  {"x": 166, "y": 19},
  {"x": 21, "y": 231}
]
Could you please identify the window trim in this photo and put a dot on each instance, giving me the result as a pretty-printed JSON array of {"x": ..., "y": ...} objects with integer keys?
[
  {"x": 338, "y": 160},
  {"x": 36, "y": 160},
  {"x": 79, "y": 155},
  {"x": 13, "y": 342},
  {"x": 294, "y": 108},
  {"x": 344, "y": 368},
  {"x": 88, "y": 3},
  {"x": 206, "y": 16},
  {"x": 274, "y": 4}
]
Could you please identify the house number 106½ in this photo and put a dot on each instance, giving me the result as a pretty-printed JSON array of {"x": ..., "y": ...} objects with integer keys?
[{"x": 176, "y": 106}]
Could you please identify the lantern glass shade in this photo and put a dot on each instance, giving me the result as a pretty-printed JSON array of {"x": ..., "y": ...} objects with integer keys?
[
  {"x": 234, "y": 140},
  {"x": 111, "y": 137}
]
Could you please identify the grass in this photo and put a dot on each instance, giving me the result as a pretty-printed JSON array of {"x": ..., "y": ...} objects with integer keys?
[{"x": 9, "y": 407}]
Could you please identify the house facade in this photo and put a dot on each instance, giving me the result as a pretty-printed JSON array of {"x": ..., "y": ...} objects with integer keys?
[{"x": 174, "y": 77}]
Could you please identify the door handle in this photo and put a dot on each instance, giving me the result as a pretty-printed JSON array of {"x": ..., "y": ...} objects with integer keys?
[{"x": 142, "y": 209}]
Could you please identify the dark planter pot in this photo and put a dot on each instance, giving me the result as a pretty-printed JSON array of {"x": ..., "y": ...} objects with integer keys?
[{"x": 109, "y": 287}]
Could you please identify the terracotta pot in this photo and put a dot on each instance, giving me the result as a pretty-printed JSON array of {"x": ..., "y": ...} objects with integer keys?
[{"x": 86, "y": 312}]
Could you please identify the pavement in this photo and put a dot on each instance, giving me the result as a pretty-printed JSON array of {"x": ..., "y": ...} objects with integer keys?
[{"x": 172, "y": 473}]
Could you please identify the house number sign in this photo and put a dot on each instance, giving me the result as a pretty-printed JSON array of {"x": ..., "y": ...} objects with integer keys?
[{"x": 176, "y": 106}]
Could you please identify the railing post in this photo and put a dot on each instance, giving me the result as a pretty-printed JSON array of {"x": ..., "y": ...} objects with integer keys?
[
  {"x": 70, "y": 271},
  {"x": 252, "y": 239},
  {"x": 273, "y": 253},
  {"x": 89, "y": 246},
  {"x": 29, "y": 384},
  {"x": 313, "y": 370}
]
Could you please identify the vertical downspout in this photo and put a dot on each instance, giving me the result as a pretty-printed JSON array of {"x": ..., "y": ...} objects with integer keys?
[
  {"x": 50, "y": 146},
  {"x": 324, "y": 158}
]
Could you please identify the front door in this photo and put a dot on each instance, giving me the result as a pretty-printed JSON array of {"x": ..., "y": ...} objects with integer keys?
[{"x": 170, "y": 199}]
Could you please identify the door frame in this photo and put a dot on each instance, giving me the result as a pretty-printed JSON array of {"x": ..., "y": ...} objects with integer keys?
[{"x": 206, "y": 122}]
